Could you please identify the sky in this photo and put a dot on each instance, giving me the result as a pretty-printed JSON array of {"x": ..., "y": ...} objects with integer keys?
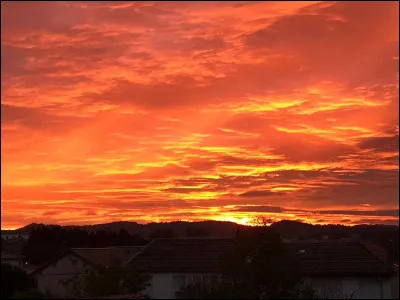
[{"x": 165, "y": 111}]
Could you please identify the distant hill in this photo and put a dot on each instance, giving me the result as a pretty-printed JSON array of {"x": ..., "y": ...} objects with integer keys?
[
  {"x": 179, "y": 228},
  {"x": 287, "y": 229},
  {"x": 26, "y": 229}
]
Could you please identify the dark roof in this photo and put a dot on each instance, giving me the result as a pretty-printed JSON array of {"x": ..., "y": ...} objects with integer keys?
[
  {"x": 206, "y": 255},
  {"x": 334, "y": 257},
  {"x": 13, "y": 246},
  {"x": 57, "y": 258},
  {"x": 196, "y": 255},
  {"x": 112, "y": 256},
  {"x": 98, "y": 257},
  {"x": 377, "y": 251},
  {"x": 11, "y": 256}
]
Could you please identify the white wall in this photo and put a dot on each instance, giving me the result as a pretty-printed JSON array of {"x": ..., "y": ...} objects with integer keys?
[
  {"x": 395, "y": 287},
  {"x": 165, "y": 285},
  {"x": 50, "y": 279},
  {"x": 387, "y": 287},
  {"x": 352, "y": 287}
]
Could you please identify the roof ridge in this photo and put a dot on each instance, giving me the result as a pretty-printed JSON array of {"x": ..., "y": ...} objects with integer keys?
[
  {"x": 128, "y": 261},
  {"x": 50, "y": 261},
  {"x": 375, "y": 256}
]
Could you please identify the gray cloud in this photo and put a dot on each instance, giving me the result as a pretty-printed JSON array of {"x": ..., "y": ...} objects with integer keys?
[
  {"x": 379, "y": 213},
  {"x": 381, "y": 144}
]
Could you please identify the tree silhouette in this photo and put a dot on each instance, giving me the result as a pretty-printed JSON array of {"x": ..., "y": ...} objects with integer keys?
[
  {"x": 107, "y": 281},
  {"x": 193, "y": 231},
  {"x": 15, "y": 283},
  {"x": 162, "y": 233},
  {"x": 261, "y": 221}
]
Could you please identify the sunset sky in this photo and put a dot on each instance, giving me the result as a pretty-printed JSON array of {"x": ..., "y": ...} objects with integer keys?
[{"x": 141, "y": 111}]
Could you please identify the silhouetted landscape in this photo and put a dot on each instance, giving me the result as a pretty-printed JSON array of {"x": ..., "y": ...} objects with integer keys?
[
  {"x": 202, "y": 260},
  {"x": 46, "y": 241}
]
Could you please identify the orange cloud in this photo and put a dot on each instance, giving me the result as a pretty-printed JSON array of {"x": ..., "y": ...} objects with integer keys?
[{"x": 156, "y": 111}]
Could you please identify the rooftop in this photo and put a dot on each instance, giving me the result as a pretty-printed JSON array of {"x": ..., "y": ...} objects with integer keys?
[
  {"x": 99, "y": 257},
  {"x": 205, "y": 255},
  {"x": 13, "y": 246},
  {"x": 195, "y": 255},
  {"x": 337, "y": 257},
  {"x": 112, "y": 256},
  {"x": 11, "y": 256}
]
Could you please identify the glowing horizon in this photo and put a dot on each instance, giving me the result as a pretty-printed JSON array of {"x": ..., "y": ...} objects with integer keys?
[
  {"x": 246, "y": 221},
  {"x": 163, "y": 111}
]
